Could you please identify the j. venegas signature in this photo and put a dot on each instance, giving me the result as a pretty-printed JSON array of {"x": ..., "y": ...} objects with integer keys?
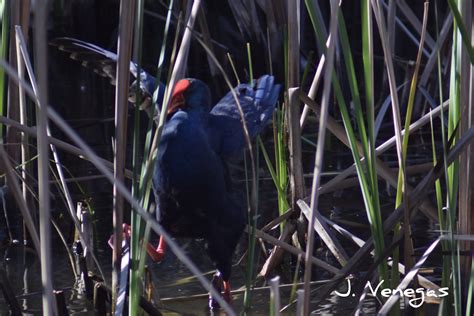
[{"x": 416, "y": 297}]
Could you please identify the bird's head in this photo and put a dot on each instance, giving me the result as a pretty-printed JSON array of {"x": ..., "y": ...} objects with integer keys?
[{"x": 190, "y": 94}]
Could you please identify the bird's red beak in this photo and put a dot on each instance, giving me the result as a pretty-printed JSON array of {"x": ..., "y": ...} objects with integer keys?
[{"x": 177, "y": 99}]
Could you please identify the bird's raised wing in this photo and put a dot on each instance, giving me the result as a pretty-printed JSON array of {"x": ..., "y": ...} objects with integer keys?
[
  {"x": 258, "y": 104},
  {"x": 104, "y": 63}
]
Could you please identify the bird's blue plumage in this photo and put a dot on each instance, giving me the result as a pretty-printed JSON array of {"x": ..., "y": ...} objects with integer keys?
[
  {"x": 257, "y": 104},
  {"x": 191, "y": 192},
  {"x": 190, "y": 182}
]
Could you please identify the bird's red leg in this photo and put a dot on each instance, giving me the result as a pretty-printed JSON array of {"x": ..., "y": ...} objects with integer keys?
[
  {"x": 155, "y": 254},
  {"x": 126, "y": 234},
  {"x": 223, "y": 288},
  {"x": 227, "y": 295},
  {"x": 158, "y": 253}
]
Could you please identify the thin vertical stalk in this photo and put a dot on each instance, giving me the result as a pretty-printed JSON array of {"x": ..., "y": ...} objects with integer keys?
[
  {"x": 23, "y": 114},
  {"x": 460, "y": 28},
  {"x": 249, "y": 56},
  {"x": 296, "y": 167},
  {"x": 460, "y": 36},
  {"x": 387, "y": 50},
  {"x": 320, "y": 150},
  {"x": 178, "y": 73},
  {"x": 3, "y": 55},
  {"x": 391, "y": 76},
  {"x": 293, "y": 45},
  {"x": 41, "y": 11},
  {"x": 293, "y": 106},
  {"x": 313, "y": 89},
  {"x": 251, "y": 216},
  {"x": 280, "y": 160},
  {"x": 13, "y": 111},
  {"x": 275, "y": 296},
  {"x": 299, "y": 302},
  {"x": 466, "y": 176},
  {"x": 470, "y": 289},
  {"x": 145, "y": 189},
  {"x": 136, "y": 221},
  {"x": 368, "y": 53},
  {"x": 127, "y": 10},
  {"x": 445, "y": 277},
  {"x": 401, "y": 191}
]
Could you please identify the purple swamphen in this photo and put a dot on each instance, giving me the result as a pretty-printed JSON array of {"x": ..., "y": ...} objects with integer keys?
[
  {"x": 191, "y": 183},
  {"x": 193, "y": 196}
]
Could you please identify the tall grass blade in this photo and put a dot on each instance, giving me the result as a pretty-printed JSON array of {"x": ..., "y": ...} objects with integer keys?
[
  {"x": 119, "y": 275},
  {"x": 136, "y": 221},
  {"x": 465, "y": 218},
  {"x": 401, "y": 190},
  {"x": 144, "y": 190},
  {"x": 4, "y": 9},
  {"x": 41, "y": 11},
  {"x": 251, "y": 216},
  {"x": 296, "y": 165},
  {"x": 459, "y": 35},
  {"x": 319, "y": 152},
  {"x": 461, "y": 28}
]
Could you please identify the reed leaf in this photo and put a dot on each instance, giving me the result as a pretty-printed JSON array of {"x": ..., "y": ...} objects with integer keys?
[
  {"x": 318, "y": 161},
  {"x": 136, "y": 221},
  {"x": 4, "y": 9},
  {"x": 49, "y": 307}
]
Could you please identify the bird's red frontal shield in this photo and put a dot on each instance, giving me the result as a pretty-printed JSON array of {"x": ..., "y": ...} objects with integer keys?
[{"x": 177, "y": 99}]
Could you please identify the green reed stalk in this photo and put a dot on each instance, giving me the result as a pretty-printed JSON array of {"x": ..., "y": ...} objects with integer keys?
[
  {"x": 401, "y": 175},
  {"x": 445, "y": 245},
  {"x": 136, "y": 220},
  {"x": 281, "y": 161},
  {"x": 142, "y": 188},
  {"x": 281, "y": 191},
  {"x": 252, "y": 217},
  {"x": 367, "y": 176},
  {"x": 452, "y": 174}
]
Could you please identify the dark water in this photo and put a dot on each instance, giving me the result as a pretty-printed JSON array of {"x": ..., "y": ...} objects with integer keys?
[
  {"x": 172, "y": 282},
  {"x": 180, "y": 292}
]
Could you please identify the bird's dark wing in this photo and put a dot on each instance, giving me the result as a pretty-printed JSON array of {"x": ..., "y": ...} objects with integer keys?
[
  {"x": 101, "y": 61},
  {"x": 258, "y": 104}
]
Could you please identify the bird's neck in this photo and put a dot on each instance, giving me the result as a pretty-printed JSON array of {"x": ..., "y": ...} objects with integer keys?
[{"x": 198, "y": 115}]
